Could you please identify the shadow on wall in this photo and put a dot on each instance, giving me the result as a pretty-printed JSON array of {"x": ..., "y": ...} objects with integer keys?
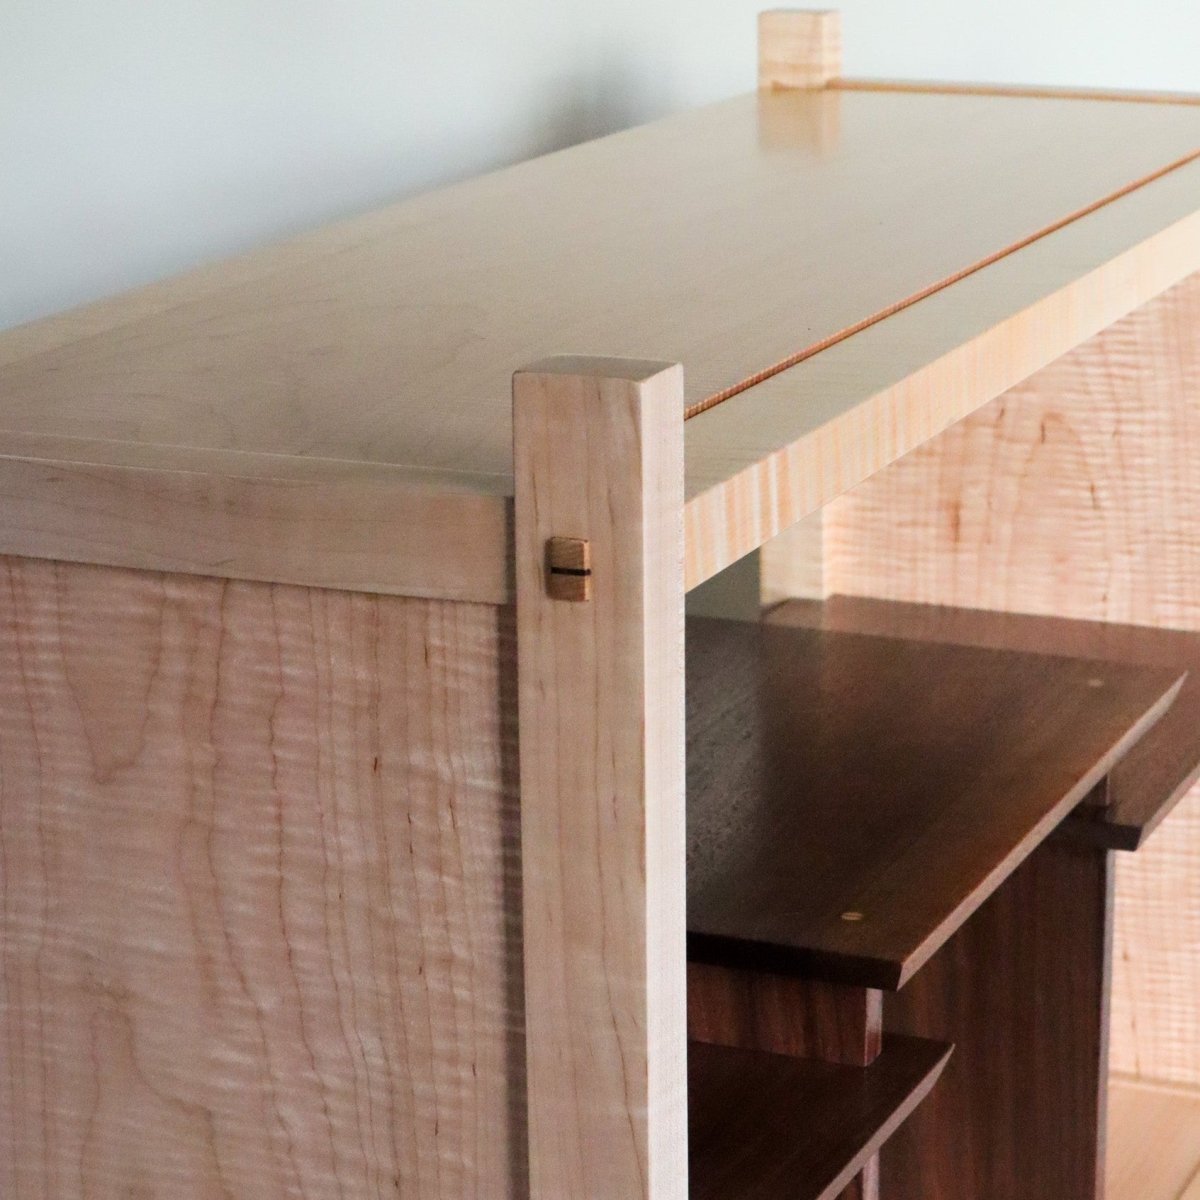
[
  {"x": 610, "y": 97},
  {"x": 214, "y": 198}
]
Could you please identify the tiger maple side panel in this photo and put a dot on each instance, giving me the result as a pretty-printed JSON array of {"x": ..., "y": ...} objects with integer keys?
[
  {"x": 259, "y": 892},
  {"x": 1077, "y": 494}
]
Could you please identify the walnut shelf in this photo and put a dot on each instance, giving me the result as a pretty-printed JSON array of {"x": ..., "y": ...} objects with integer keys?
[
  {"x": 852, "y": 799},
  {"x": 1156, "y": 773},
  {"x": 767, "y": 1127}
]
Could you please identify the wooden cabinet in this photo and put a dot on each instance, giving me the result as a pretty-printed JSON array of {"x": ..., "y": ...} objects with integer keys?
[{"x": 372, "y": 821}]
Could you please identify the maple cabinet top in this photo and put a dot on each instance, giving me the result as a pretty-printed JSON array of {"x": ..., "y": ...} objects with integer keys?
[{"x": 841, "y": 272}]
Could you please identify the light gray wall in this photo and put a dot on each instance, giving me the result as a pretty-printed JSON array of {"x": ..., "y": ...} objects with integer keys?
[{"x": 138, "y": 137}]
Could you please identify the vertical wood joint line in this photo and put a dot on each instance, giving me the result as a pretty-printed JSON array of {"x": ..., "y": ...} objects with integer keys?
[{"x": 598, "y": 455}]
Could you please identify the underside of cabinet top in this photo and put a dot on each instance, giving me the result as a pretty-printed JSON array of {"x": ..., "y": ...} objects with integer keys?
[{"x": 842, "y": 272}]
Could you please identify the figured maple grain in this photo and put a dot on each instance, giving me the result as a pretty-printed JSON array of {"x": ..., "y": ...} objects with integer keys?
[
  {"x": 1076, "y": 494},
  {"x": 598, "y": 446},
  {"x": 259, "y": 892},
  {"x": 760, "y": 462}
]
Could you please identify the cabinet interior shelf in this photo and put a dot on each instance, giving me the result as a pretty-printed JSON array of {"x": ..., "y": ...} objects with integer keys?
[
  {"x": 863, "y": 777},
  {"x": 854, "y": 797},
  {"x": 768, "y": 1127},
  {"x": 1156, "y": 773}
]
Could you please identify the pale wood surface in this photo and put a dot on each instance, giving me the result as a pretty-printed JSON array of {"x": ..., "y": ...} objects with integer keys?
[
  {"x": 1076, "y": 494},
  {"x": 359, "y": 366},
  {"x": 392, "y": 340},
  {"x": 259, "y": 914},
  {"x": 758, "y": 464},
  {"x": 799, "y": 48},
  {"x": 1153, "y": 1143},
  {"x": 950, "y": 87},
  {"x": 792, "y": 564},
  {"x": 280, "y": 521},
  {"x": 1156, "y": 977},
  {"x": 598, "y": 446}
]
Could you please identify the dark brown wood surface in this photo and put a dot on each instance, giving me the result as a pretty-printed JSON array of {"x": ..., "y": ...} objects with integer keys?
[
  {"x": 853, "y": 799},
  {"x": 757, "y": 1010},
  {"x": 767, "y": 1127},
  {"x": 1153, "y": 776},
  {"x": 782, "y": 1014},
  {"x": 1022, "y": 990}
]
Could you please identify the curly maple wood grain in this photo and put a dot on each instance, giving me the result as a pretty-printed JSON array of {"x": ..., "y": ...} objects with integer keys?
[
  {"x": 781, "y": 450},
  {"x": 1077, "y": 494},
  {"x": 598, "y": 447},
  {"x": 259, "y": 892}
]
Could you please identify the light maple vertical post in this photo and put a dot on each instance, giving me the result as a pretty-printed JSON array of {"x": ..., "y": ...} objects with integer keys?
[
  {"x": 598, "y": 451},
  {"x": 797, "y": 49}
]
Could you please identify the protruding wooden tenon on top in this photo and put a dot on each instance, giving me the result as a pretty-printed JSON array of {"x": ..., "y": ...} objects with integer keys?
[{"x": 799, "y": 48}]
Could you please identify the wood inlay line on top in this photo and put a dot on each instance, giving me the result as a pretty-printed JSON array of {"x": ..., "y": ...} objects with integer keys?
[
  {"x": 924, "y": 293},
  {"x": 730, "y": 239},
  {"x": 1046, "y": 91},
  {"x": 319, "y": 412}
]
